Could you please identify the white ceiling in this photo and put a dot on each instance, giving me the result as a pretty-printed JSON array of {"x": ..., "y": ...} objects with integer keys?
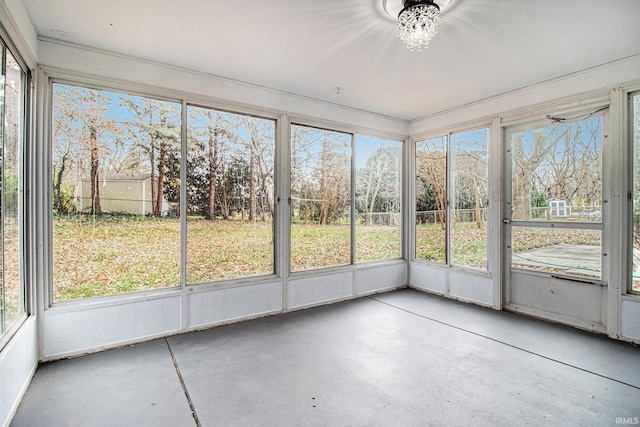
[{"x": 311, "y": 47}]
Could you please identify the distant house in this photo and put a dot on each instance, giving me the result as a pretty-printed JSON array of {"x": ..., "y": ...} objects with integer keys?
[
  {"x": 559, "y": 207},
  {"x": 120, "y": 193}
]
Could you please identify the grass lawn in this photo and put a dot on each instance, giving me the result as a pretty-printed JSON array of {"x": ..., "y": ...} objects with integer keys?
[
  {"x": 114, "y": 255},
  {"x": 469, "y": 244},
  {"x": 119, "y": 254}
]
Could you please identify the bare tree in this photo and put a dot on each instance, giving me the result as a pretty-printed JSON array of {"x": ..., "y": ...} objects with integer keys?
[
  {"x": 80, "y": 123},
  {"x": 526, "y": 158},
  {"x": 260, "y": 147},
  {"x": 333, "y": 178},
  {"x": 431, "y": 169},
  {"x": 563, "y": 160},
  {"x": 470, "y": 173},
  {"x": 154, "y": 131},
  {"x": 378, "y": 182},
  {"x": 304, "y": 157}
]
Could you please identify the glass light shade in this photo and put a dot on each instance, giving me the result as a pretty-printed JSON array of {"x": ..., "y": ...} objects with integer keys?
[{"x": 418, "y": 24}]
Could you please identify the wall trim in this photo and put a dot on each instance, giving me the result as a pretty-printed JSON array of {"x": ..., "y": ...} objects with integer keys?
[{"x": 216, "y": 77}]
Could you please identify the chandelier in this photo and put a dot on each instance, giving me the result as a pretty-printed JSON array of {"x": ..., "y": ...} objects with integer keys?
[{"x": 418, "y": 22}]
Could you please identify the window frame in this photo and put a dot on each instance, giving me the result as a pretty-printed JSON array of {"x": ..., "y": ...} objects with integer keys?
[
  {"x": 629, "y": 141},
  {"x": 352, "y": 203},
  {"x": 281, "y": 223},
  {"x": 401, "y": 200},
  {"x": 97, "y": 85},
  {"x": 23, "y": 206},
  {"x": 183, "y": 195},
  {"x": 49, "y": 77},
  {"x": 532, "y": 123},
  {"x": 329, "y": 125},
  {"x": 447, "y": 133}
]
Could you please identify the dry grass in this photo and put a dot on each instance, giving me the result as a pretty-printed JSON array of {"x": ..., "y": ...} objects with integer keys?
[
  {"x": 315, "y": 246},
  {"x": 525, "y": 239},
  {"x": 10, "y": 273},
  {"x": 469, "y": 244},
  {"x": 119, "y": 254},
  {"x": 112, "y": 255},
  {"x": 228, "y": 249}
]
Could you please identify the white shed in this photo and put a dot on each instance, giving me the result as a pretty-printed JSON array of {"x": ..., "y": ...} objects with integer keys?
[
  {"x": 559, "y": 207},
  {"x": 120, "y": 192}
]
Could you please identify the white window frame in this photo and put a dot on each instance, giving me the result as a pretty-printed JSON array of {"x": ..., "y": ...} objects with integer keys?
[{"x": 447, "y": 133}]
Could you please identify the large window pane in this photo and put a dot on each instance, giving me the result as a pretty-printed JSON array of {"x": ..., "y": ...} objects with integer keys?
[
  {"x": 377, "y": 198},
  {"x": 116, "y": 177},
  {"x": 469, "y": 195},
  {"x": 431, "y": 199},
  {"x": 320, "y": 198},
  {"x": 11, "y": 283},
  {"x": 230, "y": 190},
  {"x": 557, "y": 250},
  {"x": 556, "y": 178},
  {"x": 635, "y": 134},
  {"x": 556, "y": 172}
]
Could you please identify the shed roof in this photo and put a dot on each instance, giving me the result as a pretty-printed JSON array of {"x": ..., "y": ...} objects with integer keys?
[{"x": 121, "y": 177}]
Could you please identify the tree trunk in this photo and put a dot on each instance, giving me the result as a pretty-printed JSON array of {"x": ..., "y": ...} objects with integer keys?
[
  {"x": 60, "y": 204},
  {"x": 367, "y": 208},
  {"x": 476, "y": 194},
  {"x": 161, "y": 174},
  {"x": 95, "y": 163},
  {"x": 152, "y": 160},
  {"x": 522, "y": 194},
  {"x": 213, "y": 162},
  {"x": 454, "y": 207},
  {"x": 154, "y": 188},
  {"x": 435, "y": 168},
  {"x": 252, "y": 189},
  {"x": 223, "y": 194}
]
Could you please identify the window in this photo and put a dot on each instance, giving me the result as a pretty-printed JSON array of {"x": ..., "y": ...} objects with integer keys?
[
  {"x": 452, "y": 199},
  {"x": 12, "y": 96},
  {"x": 556, "y": 197},
  {"x": 116, "y": 178},
  {"x": 470, "y": 198},
  {"x": 634, "y": 101},
  {"x": 431, "y": 199},
  {"x": 377, "y": 199},
  {"x": 320, "y": 198},
  {"x": 230, "y": 195}
]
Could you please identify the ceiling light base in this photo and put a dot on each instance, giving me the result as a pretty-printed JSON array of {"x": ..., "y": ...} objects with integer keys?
[{"x": 393, "y": 7}]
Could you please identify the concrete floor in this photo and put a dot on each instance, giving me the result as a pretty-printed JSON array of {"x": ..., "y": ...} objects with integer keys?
[{"x": 398, "y": 359}]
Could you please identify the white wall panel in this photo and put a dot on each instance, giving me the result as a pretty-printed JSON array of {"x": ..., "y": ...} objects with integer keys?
[
  {"x": 91, "y": 328},
  {"x": 567, "y": 299},
  {"x": 426, "y": 277},
  {"x": 220, "y": 305},
  {"x": 463, "y": 285},
  {"x": 311, "y": 290},
  {"x": 471, "y": 287},
  {"x": 631, "y": 319},
  {"x": 100, "y": 63},
  {"x": 375, "y": 278},
  {"x": 18, "y": 362}
]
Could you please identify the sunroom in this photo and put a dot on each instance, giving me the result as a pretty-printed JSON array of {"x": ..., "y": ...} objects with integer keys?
[{"x": 171, "y": 168}]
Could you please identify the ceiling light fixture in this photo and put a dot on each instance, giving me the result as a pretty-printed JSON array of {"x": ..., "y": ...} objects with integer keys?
[{"x": 418, "y": 22}]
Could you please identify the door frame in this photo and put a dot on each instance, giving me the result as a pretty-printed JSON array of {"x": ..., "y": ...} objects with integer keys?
[{"x": 555, "y": 292}]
